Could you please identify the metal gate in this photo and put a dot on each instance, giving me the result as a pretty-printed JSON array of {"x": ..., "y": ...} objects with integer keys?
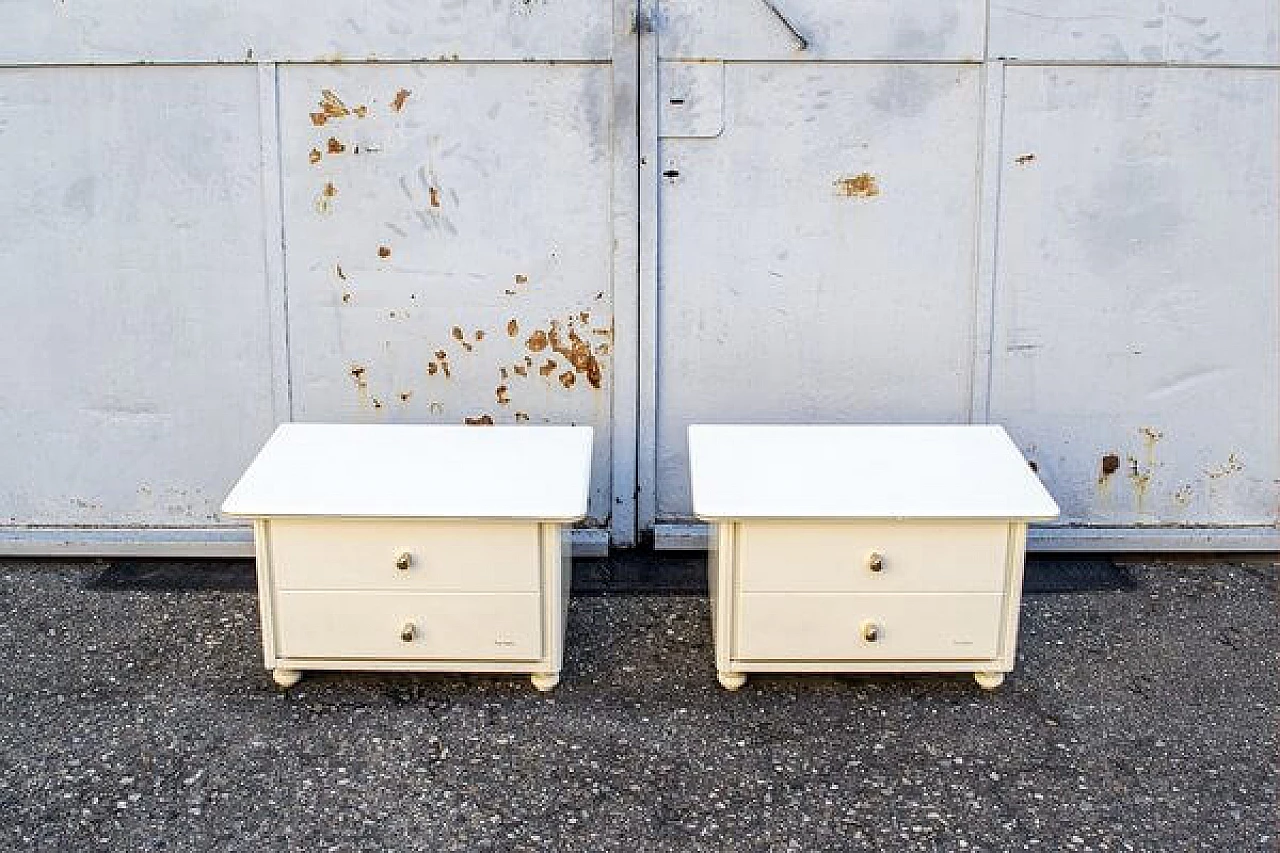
[{"x": 1057, "y": 216}]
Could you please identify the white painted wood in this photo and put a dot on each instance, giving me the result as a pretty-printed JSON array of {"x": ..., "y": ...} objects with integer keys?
[
  {"x": 409, "y": 471},
  {"x": 837, "y": 556},
  {"x": 358, "y": 570},
  {"x": 1137, "y": 312},
  {"x": 885, "y": 472},
  {"x": 488, "y": 190},
  {"x": 453, "y": 626},
  {"x": 817, "y": 258},
  {"x": 1239, "y": 32},
  {"x": 830, "y": 626},
  {"x": 106, "y": 31},
  {"x": 844, "y": 583},
  {"x": 847, "y": 30},
  {"x": 413, "y": 556}
]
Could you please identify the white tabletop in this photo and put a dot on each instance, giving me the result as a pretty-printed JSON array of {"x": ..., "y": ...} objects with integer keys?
[
  {"x": 879, "y": 472},
  {"x": 418, "y": 471}
]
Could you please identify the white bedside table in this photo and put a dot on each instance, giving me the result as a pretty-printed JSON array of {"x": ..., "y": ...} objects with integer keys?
[
  {"x": 864, "y": 548},
  {"x": 425, "y": 548}
]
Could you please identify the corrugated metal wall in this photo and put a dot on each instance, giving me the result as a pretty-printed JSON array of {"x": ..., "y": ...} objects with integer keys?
[{"x": 1059, "y": 216}]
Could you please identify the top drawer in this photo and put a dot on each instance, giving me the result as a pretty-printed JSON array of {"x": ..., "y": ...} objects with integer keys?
[
  {"x": 915, "y": 556},
  {"x": 442, "y": 555}
]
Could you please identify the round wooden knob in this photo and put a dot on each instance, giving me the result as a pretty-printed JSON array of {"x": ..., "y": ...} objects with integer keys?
[
  {"x": 875, "y": 562},
  {"x": 404, "y": 561},
  {"x": 408, "y": 632},
  {"x": 870, "y": 632}
]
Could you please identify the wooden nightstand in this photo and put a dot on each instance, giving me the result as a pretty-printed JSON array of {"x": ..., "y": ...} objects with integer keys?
[
  {"x": 864, "y": 548},
  {"x": 425, "y": 548}
]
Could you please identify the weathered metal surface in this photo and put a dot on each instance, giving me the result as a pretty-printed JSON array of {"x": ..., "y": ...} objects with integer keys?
[
  {"x": 449, "y": 245},
  {"x": 108, "y": 31},
  {"x": 1126, "y": 31},
  {"x": 802, "y": 30},
  {"x": 1136, "y": 334},
  {"x": 817, "y": 257},
  {"x": 135, "y": 333}
]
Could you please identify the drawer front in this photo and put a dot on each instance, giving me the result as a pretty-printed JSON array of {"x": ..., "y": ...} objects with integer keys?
[
  {"x": 409, "y": 626},
  {"x": 777, "y": 556},
  {"x": 461, "y": 556},
  {"x": 824, "y": 626}
]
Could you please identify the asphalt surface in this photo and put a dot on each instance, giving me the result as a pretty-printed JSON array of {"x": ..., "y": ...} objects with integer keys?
[{"x": 134, "y": 715}]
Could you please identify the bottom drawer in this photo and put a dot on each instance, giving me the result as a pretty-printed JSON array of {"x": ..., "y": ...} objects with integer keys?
[
  {"x": 407, "y": 626},
  {"x": 844, "y": 626}
]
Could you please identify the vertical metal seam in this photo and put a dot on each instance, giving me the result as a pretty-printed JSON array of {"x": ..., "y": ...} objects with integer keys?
[
  {"x": 271, "y": 170},
  {"x": 987, "y": 266},
  {"x": 649, "y": 251}
]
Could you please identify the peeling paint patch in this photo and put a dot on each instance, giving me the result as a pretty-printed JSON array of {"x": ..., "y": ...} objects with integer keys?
[
  {"x": 1232, "y": 466},
  {"x": 548, "y": 368},
  {"x": 384, "y": 252},
  {"x": 335, "y": 146},
  {"x": 537, "y": 341},
  {"x": 863, "y": 185},
  {"x": 482, "y": 420},
  {"x": 513, "y": 328},
  {"x": 315, "y": 156},
  {"x": 501, "y": 393},
  {"x": 1110, "y": 465},
  {"x": 568, "y": 378},
  {"x": 397, "y": 103}
]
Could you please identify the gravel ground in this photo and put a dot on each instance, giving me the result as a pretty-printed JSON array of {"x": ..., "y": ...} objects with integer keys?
[{"x": 139, "y": 719}]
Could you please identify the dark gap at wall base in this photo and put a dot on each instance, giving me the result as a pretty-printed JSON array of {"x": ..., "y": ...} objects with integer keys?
[{"x": 640, "y": 571}]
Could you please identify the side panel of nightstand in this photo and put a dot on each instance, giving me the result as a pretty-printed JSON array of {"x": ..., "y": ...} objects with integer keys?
[
  {"x": 1012, "y": 595},
  {"x": 266, "y": 597},
  {"x": 720, "y": 585},
  {"x": 557, "y": 574}
]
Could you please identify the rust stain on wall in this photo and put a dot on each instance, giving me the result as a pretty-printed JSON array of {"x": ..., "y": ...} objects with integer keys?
[
  {"x": 863, "y": 185},
  {"x": 577, "y": 352},
  {"x": 521, "y": 416},
  {"x": 435, "y": 196},
  {"x": 1110, "y": 465},
  {"x": 548, "y": 368},
  {"x": 501, "y": 393},
  {"x": 537, "y": 341},
  {"x": 521, "y": 278},
  {"x": 397, "y": 103},
  {"x": 335, "y": 146},
  {"x": 384, "y": 252},
  {"x": 1025, "y": 159},
  {"x": 568, "y": 378},
  {"x": 482, "y": 420},
  {"x": 513, "y": 328},
  {"x": 315, "y": 156},
  {"x": 1232, "y": 466}
]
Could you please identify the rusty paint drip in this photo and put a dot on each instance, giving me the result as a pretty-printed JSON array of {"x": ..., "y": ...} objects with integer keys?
[{"x": 859, "y": 186}]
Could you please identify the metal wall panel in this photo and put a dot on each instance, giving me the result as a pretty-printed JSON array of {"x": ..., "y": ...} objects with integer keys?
[
  {"x": 817, "y": 256},
  {"x": 135, "y": 329},
  {"x": 806, "y": 30},
  {"x": 110, "y": 31},
  {"x": 1125, "y": 31},
  {"x": 1136, "y": 348},
  {"x": 449, "y": 245}
]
